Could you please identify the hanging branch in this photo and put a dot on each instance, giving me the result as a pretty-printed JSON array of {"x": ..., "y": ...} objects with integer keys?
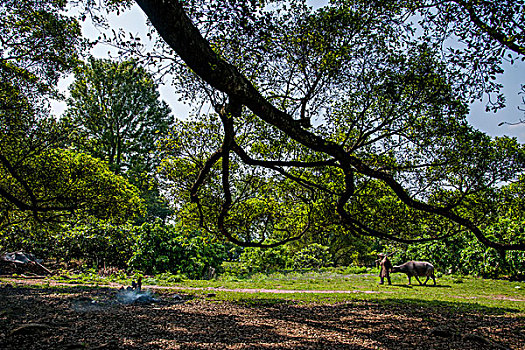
[{"x": 175, "y": 27}]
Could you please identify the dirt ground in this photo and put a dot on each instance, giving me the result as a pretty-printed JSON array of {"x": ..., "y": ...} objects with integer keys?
[{"x": 93, "y": 318}]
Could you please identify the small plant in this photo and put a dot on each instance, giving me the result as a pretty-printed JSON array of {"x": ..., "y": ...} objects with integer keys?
[
  {"x": 355, "y": 270},
  {"x": 235, "y": 268},
  {"x": 312, "y": 256}
]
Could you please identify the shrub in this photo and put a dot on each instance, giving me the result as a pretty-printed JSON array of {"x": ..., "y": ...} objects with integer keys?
[
  {"x": 253, "y": 260},
  {"x": 466, "y": 256},
  {"x": 178, "y": 250},
  {"x": 99, "y": 244},
  {"x": 312, "y": 256},
  {"x": 235, "y": 268},
  {"x": 355, "y": 270}
]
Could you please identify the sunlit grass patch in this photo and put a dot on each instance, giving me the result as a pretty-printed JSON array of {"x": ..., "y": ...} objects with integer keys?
[{"x": 451, "y": 292}]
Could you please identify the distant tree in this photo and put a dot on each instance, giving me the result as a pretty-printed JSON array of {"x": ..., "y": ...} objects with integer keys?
[
  {"x": 41, "y": 181},
  {"x": 116, "y": 112},
  {"x": 116, "y": 109}
]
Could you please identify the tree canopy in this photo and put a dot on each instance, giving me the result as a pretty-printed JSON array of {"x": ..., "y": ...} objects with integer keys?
[
  {"x": 116, "y": 112},
  {"x": 348, "y": 119},
  {"x": 115, "y": 109},
  {"x": 356, "y": 105},
  {"x": 40, "y": 179}
]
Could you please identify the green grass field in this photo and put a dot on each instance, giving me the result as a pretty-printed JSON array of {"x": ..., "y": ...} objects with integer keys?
[
  {"x": 450, "y": 291},
  {"x": 455, "y": 292}
]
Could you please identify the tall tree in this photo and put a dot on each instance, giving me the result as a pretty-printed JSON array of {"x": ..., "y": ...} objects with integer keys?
[
  {"x": 116, "y": 111},
  {"x": 367, "y": 114},
  {"x": 39, "y": 180}
]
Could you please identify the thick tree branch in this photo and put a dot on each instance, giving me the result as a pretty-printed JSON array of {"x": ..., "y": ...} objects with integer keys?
[
  {"x": 174, "y": 26},
  {"x": 276, "y": 166},
  {"x": 227, "y": 114}
]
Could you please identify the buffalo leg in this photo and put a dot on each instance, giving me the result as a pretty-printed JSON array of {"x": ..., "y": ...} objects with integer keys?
[{"x": 417, "y": 278}]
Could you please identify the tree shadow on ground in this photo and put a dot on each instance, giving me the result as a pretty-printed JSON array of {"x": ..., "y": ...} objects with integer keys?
[
  {"x": 413, "y": 324},
  {"x": 275, "y": 323}
]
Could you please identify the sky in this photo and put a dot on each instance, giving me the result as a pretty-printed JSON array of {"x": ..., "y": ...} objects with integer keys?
[{"x": 134, "y": 21}]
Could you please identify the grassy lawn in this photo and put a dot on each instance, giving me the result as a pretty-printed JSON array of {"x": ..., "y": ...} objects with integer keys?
[
  {"x": 450, "y": 291},
  {"x": 453, "y": 292}
]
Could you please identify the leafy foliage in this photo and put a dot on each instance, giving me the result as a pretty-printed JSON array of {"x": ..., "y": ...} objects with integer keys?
[
  {"x": 117, "y": 116},
  {"x": 97, "y": 244},
  {"x": 40, "y": 180},
  {"x": 312, "y": 256},
  {"x": 92, "y": 245},
  {"x": 265, "y": 260},
  {"x": 63, "y": 182},
  {"x": 354, "y": 108},
  {"x": 253, "y": 260},
  {"x": 490, "y": 33},
  {"x": 468, "y": 257},
  {"x": 175, "y": 249}
]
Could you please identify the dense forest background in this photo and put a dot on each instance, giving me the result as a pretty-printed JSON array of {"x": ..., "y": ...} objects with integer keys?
[{"x": 317, "y": 137}]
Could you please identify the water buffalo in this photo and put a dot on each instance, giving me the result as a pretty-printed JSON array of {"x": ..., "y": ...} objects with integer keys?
[{"x": 416, "y": 269}]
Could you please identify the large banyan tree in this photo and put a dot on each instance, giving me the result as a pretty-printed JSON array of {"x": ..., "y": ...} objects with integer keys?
[{"x": 352, "y": 114}]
